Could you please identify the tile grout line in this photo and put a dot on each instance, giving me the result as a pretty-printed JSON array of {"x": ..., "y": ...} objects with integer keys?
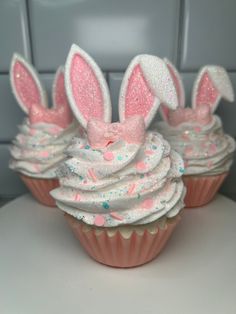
[{"x": 29, "y": 30}]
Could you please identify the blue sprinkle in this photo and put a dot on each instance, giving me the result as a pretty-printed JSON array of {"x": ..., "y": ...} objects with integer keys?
[
  {"x": 87, "y": 147},
  {"x": 154, "y": 147},
  {"x": 81, "y": 178},
  {"x": 181, "y": 170},
  {"x": 119, "y": 157},
  {"x": 105, "y": 205}
]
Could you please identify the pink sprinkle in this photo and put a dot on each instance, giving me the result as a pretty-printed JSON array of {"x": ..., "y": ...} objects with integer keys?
[
  {"x": 148, "y": 203},
  {"x": 149, "y": 152},
  {"x": 213, "y": 148},
  {"x": 36, "y": 167},
  {"x": 188, "y": 150},
  {"x": 77, "y": 197},
  {"x": 44, "y": 154},
  {"x": 131, "y": 188},
  {"x": 185, "y": 164},
  {"x": 140, "y": 165},
  {"x": 197, "y": 129},
  {"x": 185, "y": 137},
  {"x": 92, "y": 174},
  {"x": 116, "y": 216},
  {"x": 55, "y": 130},
  {"x": 99, "y": 220},
  {"x": 32, "y": 132},
  {"x": 209, "y": 164},
  {"x": 42, "y": 141},
  {"x": 108, "y": 156}
]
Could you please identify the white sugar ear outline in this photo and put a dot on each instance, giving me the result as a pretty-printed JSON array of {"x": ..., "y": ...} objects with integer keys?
[
  {"x": 153, "y": 72},
  {"x": 58, "y": 89},
  {"x": 23, "y": 100},
  {"x": 219, "y": 80},
  {"x": 76, "y": 101},
  {"x": 179, "y": 89}
]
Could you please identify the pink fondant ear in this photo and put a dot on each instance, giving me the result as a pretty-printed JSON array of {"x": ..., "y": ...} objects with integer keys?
[
  {"x": 86, "y": 87},
  {"x": 59, "y": 97},
  {"x": 179, "y": 89},
  {"x": 25, "y": 84},
  {"x": 58, "y": 89},
  {"x": 147, "y": 83},
  {"x": 211, "y": 85}
]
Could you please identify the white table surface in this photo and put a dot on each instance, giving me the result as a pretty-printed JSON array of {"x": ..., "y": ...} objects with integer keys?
[{"x": 44, "y": 270}]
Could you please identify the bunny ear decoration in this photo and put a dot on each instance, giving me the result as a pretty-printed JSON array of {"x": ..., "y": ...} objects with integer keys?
[
  {"x": 211, "y": 85},
  {"x": 86, "y": 87},
  {"x": 25, "y": 84},
  {"x": 58, "y": 89},
  {"x": 179, "y": 89},
  {"x": 147, "y": 83}
]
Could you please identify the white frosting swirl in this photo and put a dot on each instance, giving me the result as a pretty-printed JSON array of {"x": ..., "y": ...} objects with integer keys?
[
  {"x": 39, "y": 148},
  {"x": 122, "y": 183},
  {"x": 206, "y": 150}
]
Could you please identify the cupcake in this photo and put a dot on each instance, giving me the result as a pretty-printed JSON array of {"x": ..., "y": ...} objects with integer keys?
[
  {"x": 121, "y": 187},
  {"x": 197, "y": 133},
  {"x": 44, "y": 134}
]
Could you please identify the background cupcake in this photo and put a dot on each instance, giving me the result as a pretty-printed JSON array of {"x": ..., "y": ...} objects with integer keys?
[
  {"x": 44, "y": 134},
  {"x": 197, "y": 134},
  {"x": 120, "y": 188}
]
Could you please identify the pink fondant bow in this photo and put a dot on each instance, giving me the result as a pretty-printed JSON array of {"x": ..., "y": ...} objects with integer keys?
[
  {"x": 60, "y": 116},
  {"x": 201, "y": 115},
  {"x": 100, "y": 134}
]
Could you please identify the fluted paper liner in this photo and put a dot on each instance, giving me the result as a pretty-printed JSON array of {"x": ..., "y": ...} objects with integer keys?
[
  {"x": 116, "y": 248},
  {"x": 40, "y": 189},
  {"x": 201, "y": 190}
]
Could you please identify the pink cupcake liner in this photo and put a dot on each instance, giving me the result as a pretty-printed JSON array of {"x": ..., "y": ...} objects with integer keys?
[
  {"x": 116, "y": 250},
  {"x": 201, "y": 190},
  {"x": 40, "y": 189}
]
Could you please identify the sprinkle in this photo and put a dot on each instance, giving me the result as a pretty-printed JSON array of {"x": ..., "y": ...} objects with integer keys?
[
  {"x": 149, "y": 152},
  {"x": 37, "y": 168},
  {"x": 181, "y": 170},
  {"x": 185, "y": 164},
  {"x": 116, "y": 216},
  {"x": 209, "y": 164},
  {"x": 131, "y": 188},
  {"x": 32, "y": 132},
  {"x": 154, "y": 147},
  {"x": 55, "y": 130},
  {"x": 77, "y": 197},
  {"x": 44, "y": 154},
  {"x": 92, "y": 174},
  {"x": 148, "y": 203},
  {"x": 188, "y": 150},
  {"x": 86, "y": 147},
  {"x": 105, "y": 205},
  {"x": 119, "y": 157},
  {"x": 197, "y": 129},
  {"x": 140, "y": 165},
  {"x": 99, "y": 220},
  {"x": 213, "y": 148},
  {"x": 185, "y": 136},
  {"x": 108, "y": 156}
]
